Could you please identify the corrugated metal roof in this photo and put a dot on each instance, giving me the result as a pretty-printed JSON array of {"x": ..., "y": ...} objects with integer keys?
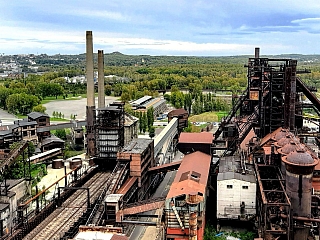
[
  {"x": 137, "y": 145},
  {"x": 25, "y": 123},
  {"x": 159, "y": 103},
  {"x": 51, "y": 139},
  {"x": 129, "y": 119},
  {"x": 198, "y": 163},
  {"x": 141, "y": 100},
  {"x": 150, "y": 103},
  {"x": 237, "y": 176},
  {"x": 203, "y": 137},
  {"x": 35, "y": 115},
  {"x": 230, "y": 168}
]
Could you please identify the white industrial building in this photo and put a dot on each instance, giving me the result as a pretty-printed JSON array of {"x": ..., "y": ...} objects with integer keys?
[{"x": 236, "y": 189}]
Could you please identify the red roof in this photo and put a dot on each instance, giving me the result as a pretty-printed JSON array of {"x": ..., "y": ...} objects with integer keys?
[
  {"x": 203, "y": 137},
  {"x": 192, "y": 175}
]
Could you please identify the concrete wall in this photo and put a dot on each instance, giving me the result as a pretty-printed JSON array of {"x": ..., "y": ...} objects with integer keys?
[
  {"x": 131, "y": 132},
  {"x": 229, "y": 198},
  {"x": 17, "y": 190}
]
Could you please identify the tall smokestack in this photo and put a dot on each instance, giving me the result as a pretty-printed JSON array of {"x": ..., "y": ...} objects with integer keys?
[
  {"x": 256, "y": 52},
  {"x": 101, "y": 98},
  {"x": 89, "y": 70},
  {"x": 90, "y": 109}
]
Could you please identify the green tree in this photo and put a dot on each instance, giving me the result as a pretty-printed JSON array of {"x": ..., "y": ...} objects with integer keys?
[
  {"x": 4, "y": 94},
  {"x": 141, "y": 122},
  {"x": 188, "y": 102},
  {"x": 21, "y": 103},
  {"x": 107, "y": 90},
  {"x": 151, "y": 132},
  {"x": 61, "y": 133},
  {"x": 145, "y": 122},
  {"x": 39, "y": 108},
  {"x": 150, "y": 116}
]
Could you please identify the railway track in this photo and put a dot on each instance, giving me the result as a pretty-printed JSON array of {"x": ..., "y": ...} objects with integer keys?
[{"x": 60, "y": 221}]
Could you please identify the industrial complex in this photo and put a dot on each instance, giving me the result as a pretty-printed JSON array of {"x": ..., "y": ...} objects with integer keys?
[{"x": 259, "y": 168}]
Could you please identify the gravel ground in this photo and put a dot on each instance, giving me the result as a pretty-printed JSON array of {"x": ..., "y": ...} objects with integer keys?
[{"x": 73, "y": 107}]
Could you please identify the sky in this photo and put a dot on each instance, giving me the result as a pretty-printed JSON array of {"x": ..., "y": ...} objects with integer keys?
[{"x": 161, "y": 27}]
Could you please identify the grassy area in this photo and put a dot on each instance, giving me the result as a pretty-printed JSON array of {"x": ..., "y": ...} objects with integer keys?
[
  {"x": 72, "y": 153},
  {"x": 59, "y": 119},
  {"x": 221, "y": 114},
  {"x": 208, "y": 117},
  {"x": 20, "y": 116},
  {"x": 204, "y": 117},
  {"x": 60, "y": 98}
]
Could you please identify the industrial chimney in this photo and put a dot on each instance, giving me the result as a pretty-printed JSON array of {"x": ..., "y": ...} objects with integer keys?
[
  {"x": 256, "y": 52},
  {"x": 101, "y": 98},
  {"x": 89, "y": 69},
  {"x": 90, "y": 109}
]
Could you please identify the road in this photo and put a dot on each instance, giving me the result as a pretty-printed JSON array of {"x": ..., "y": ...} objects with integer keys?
[{"x": 7, "y": 118}]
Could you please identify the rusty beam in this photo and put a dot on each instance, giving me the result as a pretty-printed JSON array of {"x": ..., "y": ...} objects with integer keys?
[
  {"x": 165, "y": 167},
  {"x": 138, "y": 209}
]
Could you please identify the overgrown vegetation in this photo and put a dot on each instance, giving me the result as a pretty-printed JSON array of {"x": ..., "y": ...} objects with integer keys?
[
  {"x": 210, "y": 233},
  {"x": 20, "y": 169}
]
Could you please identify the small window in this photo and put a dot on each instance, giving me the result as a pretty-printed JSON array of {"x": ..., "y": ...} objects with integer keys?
[
  {"x": 229, "y": 186},
  {"x": 245, "y": 187}
]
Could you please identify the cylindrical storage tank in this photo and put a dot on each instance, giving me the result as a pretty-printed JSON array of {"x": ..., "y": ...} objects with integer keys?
[
  {"x": 285, "y": 150},
  {"x": 299, "y": 170},
  {"x": 76, "y": 162},
  {"x": 283, "y": 141},
  {"x": 57, "y": 164}
]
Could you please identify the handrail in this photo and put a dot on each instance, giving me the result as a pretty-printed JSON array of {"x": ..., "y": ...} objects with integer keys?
[{"x": 36, "y": 196}]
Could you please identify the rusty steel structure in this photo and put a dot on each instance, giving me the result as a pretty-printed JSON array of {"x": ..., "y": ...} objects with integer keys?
[
  {"x": 109, "y": 129},
  {"x": 271, "y": 100},
  {"x": 267, "y": 121}
]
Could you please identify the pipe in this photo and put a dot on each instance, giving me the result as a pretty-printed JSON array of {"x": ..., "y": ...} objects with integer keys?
[
  {"x": 101, "y": 98},
  {"x": 89, "y": 69},
  {"x": 193, "y": 226}
]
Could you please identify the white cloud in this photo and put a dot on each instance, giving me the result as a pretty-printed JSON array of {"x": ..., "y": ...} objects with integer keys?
[{"x": 101, "y": 14}]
